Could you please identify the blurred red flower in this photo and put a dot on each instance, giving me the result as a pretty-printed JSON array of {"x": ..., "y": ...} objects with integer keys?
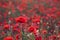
[
  {"x": 5, "y": 5},
  {"x": 8, "y": 38},
  {"x": 32, "y": 29},
  {"x": 36, "y": 19},
  {"x": 21, "y": 19},
  {"x": 44, "y": 31},
  {"x": 6, "y": 26},
  {"x": 38, "y": 38}
]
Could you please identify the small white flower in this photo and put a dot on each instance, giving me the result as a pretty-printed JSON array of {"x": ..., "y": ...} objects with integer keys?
[{"x": 9, "y": 12}]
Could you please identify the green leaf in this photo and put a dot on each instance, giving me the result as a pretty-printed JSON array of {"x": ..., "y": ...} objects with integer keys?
[{"x": 24, "y": 36}]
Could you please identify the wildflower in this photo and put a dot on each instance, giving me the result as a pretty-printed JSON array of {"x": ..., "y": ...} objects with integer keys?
[
  {"x": 36, "y": 19},
  {"x": 38, "y": 38},
  {"x": 44, "y": 31},
  {"x": 6, "y": 26},
  {"x": 32, "y": 29},
  {"x": 5, "y": 5},
  {"x": 8, "y": 38},
  {"x": 21, "y": 19}
]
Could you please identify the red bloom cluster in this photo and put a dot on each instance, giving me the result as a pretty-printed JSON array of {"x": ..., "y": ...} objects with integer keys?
[{"x": 29, "y": 19}]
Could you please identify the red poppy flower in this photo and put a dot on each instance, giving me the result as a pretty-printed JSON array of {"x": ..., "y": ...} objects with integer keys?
[
  {"x": 44, "y": 24},
  {"x": 52, "y": 37},
  {"x": 8, "y": 38},
  {"x": 6, "y": 26},
  {"x": 5, "y": 5},
  {"x": 44, "y": 31},
  {"x": 36, "y": 19},
  {"x": 58, "y": 14},
  {"x": 21, "y": 7},
  {"x": 53, "y": 16},
  {"x": 38, "y": 38},
  {"x": 53, "y": 9},
  {"x": 21, "y": 19},
  {"x": 16, "y": 29},
  {"x": 17, "y": 36},
  {"x": 32, "y": 29}
]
